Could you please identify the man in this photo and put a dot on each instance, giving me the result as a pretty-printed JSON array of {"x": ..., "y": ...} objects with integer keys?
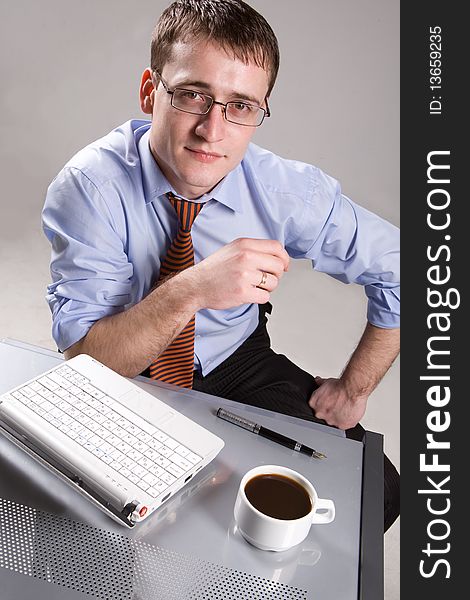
[{"x": 169, "y": 237}]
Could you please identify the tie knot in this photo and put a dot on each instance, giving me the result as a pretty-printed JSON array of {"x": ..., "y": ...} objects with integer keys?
[{"x": 186, "y": 210}]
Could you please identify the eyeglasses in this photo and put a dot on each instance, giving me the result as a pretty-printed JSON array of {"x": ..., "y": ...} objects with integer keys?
[{"x": 197, "y": 103}]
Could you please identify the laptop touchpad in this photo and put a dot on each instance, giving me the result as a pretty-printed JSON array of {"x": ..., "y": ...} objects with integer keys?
[{"x": 148, "y": 407}]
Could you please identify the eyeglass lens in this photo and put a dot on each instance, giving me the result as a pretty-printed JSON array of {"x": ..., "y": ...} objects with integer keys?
[{"x": 236, "y": 112}]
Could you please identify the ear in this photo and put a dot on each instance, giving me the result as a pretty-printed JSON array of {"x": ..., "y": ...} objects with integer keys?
[{"x": 146, "y": 92}]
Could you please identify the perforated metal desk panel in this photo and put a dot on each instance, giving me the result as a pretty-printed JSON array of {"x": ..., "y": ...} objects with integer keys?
[{"x": 198, "y": 523}]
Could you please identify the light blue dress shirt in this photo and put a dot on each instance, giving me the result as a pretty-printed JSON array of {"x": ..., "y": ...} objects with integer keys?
[{"x": 109, "y": 223}]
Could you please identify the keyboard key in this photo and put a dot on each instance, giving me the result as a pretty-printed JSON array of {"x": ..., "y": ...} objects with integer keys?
[
  {"x": 45, "y": 393},
  {"x": 123, "y": 447},
  {"x": 181, "y": 462},
  {"x": 157, "y": 470},
  {"x": 63, "y": 405},
  {"x": 160, "y": 486},
  {"x": 140, "y": 446},
  {"x": 145, "y": 462},
  {"x": 168, "y": 478},
  {"x": 193, "y": 458},
  {"x": 121, "y": 433},
  {"x": 107, "y": 401},
  {"x": 124, "y": 472},
  {"x": 27, "y": 391},
  {"x": 139, "y": 471},
  {"x": 152, "y": 454},
  {"x": 150, "y": 479},
  {"x": 128, "y": 438},
  {"x": 127, "y": 462},
  {"x": 144, "y": 437},
  {"x": 155, "y": 444},
  {"x": 143, "y": 485},
  {"x": 175, "y": 470},
  {"x": 131, "y": 428},
  {"x": 114, "y": 416},
  {"x": 57, "y": 378},
  {"x": 173, "y": 444},
  {"x": 160, "y": 436},
  {"x": 182, "y": 451},
  {"x": 134, "y": 455},
  {"x": 93, "y": 391},
  {"x": 48, "y": 383},
  {"x": 94, "y": 427},
  {"x": 165, "y": 451},
  {"x": 66, "y": 419},
  {"x": 152, "y": 492},
  {"x": 162, "y": 462}
]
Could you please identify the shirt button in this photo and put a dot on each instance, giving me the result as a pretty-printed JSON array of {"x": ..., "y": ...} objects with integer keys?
[{"x": 198, "y": 336}]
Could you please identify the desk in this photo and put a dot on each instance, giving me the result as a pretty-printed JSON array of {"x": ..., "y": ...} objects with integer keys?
[{"x": 339, "y": 561}]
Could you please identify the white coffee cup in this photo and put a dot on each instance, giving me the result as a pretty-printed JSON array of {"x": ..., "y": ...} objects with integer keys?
[{"x": 270, "y": 533}]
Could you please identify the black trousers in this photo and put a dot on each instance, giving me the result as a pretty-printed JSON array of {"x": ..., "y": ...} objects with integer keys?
[{"x": 256, "y": 375}]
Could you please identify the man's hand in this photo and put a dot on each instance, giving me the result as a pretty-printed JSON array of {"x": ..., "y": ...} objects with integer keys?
[
  {"x": 231, "y": 276},
  {"x": 332, "y": 403},
  {"x": 342, "y": 402},
  {"x": 227, "y": 278}
]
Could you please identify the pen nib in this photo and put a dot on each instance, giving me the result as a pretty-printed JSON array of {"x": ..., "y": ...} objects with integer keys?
[{"x": 318, "y": 454}]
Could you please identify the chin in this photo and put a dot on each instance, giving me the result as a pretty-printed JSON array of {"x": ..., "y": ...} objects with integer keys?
[{"x": 200, "y": 184}]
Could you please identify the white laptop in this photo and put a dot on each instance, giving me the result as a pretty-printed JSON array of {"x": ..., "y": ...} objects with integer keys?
[{"x": 117, "y": 444}]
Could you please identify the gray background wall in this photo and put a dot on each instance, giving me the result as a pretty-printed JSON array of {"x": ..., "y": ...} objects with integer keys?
[{"x": 69, "y": 73}]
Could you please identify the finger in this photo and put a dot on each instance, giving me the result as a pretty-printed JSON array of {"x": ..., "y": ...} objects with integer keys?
[
  {"x": 266, "y": 281},
  {"x": 270, "y": 264},
  {"x": 259, "y": 296},
  {"x": 270, "y": 247},
  {"x": 319, "y": 380}
]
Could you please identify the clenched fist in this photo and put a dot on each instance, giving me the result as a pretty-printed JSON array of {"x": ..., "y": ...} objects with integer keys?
[{"x": 234, "y": 274}]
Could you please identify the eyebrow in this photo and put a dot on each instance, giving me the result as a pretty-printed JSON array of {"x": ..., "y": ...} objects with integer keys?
[{"x": 206, "y": 86}]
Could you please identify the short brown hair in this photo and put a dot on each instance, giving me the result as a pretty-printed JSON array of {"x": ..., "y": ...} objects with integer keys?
[{"x": 234, "y": 25}]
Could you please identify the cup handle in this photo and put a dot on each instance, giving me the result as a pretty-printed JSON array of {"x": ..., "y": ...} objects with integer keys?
[{"x": 328, "y": 515}]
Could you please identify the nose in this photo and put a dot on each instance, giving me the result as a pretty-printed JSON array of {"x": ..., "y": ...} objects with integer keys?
[{"x": 211, "y": 127}]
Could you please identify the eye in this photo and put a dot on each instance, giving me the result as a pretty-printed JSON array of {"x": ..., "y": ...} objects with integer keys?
[
  {"x": 243, "y": 107},
  {"x": 190, "y": 95},
  {"x": 240, "y": 106}
]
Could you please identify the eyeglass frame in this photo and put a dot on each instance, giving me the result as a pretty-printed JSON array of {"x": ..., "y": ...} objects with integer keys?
[{"x": 266, "y": 111}]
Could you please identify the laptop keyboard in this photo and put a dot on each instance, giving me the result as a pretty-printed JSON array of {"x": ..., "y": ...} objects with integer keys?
[{"x": 132, "y": 447}]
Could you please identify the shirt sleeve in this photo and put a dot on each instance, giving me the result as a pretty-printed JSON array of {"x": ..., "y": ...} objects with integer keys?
[
  {"x": 90, "y": 271},
  {"x": 353, "y": 244}
]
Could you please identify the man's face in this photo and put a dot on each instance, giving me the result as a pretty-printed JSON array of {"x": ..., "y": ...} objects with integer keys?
[{"x": 196, "y": 151}]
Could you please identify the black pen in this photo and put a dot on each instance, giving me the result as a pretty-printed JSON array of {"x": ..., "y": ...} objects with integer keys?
[{"x": 268, "y": 433}]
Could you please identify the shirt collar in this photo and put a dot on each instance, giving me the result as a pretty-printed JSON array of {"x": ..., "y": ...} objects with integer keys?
[{"x": 226, "y": 192}]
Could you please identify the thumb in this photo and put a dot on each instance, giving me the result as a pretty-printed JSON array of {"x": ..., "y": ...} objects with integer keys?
[{"x": 319, "y": 380}]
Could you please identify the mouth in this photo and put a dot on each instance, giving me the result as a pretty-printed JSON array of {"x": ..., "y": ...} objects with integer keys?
[{"x": 205, "y": 157}]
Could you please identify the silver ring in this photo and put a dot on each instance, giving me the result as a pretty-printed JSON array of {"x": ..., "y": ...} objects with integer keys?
[{"x": 264, "y": 277}]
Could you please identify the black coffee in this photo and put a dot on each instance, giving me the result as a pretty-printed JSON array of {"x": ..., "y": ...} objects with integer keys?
[{"x": 278, "y": 496}]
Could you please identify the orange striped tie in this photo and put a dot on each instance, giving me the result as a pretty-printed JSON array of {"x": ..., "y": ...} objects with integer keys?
[{"x": 176, "y": 363}]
